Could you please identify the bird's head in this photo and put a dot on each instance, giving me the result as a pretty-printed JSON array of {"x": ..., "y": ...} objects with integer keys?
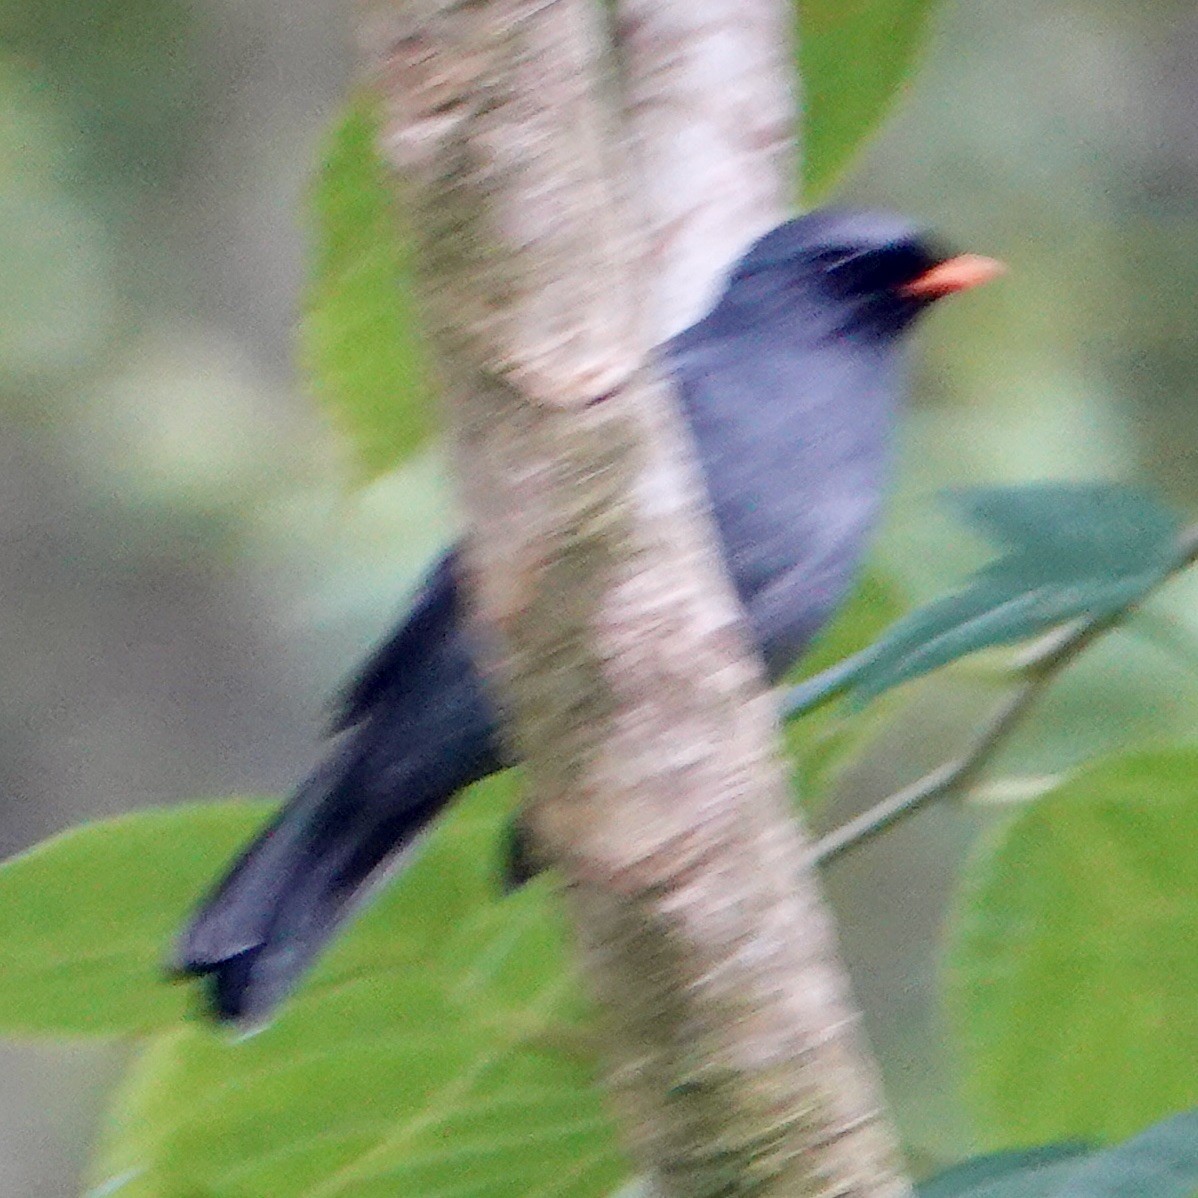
[{"x": 876, "y": 272}]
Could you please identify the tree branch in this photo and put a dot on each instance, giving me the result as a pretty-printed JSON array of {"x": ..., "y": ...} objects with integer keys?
[
  {"x": 619, "y": 653},
  {"x": 707, "y": 88}
]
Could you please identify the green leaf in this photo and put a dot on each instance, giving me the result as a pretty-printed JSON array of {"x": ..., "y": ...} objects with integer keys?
[
  {"x": 87, "y": 918},
  {"x": 1032, "y": 1173},
  {"x": 1160, "y": 1163},
  {"x": 440, "y": 1048},
  {"x": 359, "y": 331},
  {"x": 823, "y": 743},
  {"x": 1071, "y": 970},
  {"x": 875, "y": 604},
  {"x": 1072, "y": 550},
  {"x": 854, "y": 60}
]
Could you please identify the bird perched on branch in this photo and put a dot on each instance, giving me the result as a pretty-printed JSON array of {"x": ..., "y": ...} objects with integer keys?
[{"x": 790, "y": 387}]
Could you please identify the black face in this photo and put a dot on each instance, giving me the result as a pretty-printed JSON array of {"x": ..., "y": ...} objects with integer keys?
[
  {"x": 859, "y": 261},
  {"x": 869, "y": 281},
  {"x": 855, "y": 271}
]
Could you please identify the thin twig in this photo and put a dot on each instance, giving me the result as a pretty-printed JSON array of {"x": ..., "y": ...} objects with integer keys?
[
  {"x": 1039, "y": 667},
  {"x": 946, "y": 779}
]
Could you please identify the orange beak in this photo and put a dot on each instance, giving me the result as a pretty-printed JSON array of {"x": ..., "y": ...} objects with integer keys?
[{"x": 952, "y": 275}]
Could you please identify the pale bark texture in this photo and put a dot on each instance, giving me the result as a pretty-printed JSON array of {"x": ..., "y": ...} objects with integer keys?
[
  {"x": 709, "y": 91},
  {"x": 617, "y": 646}
]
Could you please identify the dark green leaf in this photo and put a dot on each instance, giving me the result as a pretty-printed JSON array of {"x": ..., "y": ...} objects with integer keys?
[
  {"x": 87, "y": 918},
  {"x": 1072, "y": 550},
  {"x": 442, "y": 1047},
  {"x": 1162, "y": 1162},
  {"x": 1028, "y": 1174},
  {"x": 854, "y": 59},
  {"x": 359, "y": 330},
  {"x": 1072, "y": 970}
]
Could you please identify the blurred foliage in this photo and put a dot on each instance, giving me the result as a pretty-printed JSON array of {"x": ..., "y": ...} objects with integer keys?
[
  {"x": 854, "y": 61},
  {"x": 445, "y": 1002},
  {"x": 361, "y": 333},
  {"x": 56, "y": 289},
  {"x": 828, "y": 740},
  {"x": 1160, "y": 1163},
  {"x": 127, "y": 72},
  {"x": 1033, "y": 1173},
  {"x": 1071, "y": 957},
  {"x": 431, "y": 1051},
  {"x": 63, "y": 970}
]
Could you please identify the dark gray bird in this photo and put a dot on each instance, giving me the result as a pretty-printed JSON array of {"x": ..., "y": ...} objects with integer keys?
[{"x": 791, "y": 387}]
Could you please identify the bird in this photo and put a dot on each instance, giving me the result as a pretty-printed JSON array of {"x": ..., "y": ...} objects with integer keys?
[{"x": 791, "y": 386}]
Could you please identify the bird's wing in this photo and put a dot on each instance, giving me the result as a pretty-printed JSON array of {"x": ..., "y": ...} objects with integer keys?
[{"x": 387, "y": 667}]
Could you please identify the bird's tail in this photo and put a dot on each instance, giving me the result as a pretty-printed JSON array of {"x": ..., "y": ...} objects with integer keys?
[{"x": 261, "y": 928}]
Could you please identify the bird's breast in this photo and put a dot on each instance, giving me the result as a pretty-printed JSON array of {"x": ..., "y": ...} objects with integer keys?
[{"x": 794, "y": 443}]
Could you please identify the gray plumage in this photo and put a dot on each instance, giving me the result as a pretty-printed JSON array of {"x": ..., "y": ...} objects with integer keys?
[{"x": 790, "y": 388}]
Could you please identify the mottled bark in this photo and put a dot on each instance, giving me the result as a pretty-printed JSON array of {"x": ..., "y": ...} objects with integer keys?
[
  {"x": 709, "y": 102},
  {"x": 618, "y": 648}
]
